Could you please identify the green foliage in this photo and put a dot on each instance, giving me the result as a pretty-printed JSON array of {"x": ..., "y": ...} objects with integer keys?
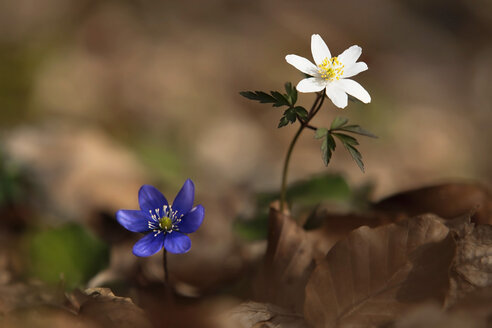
[
  {"x": 338, "y": 122},
  {"x": 277, "y": 99},
  {"x": 305, "y": 195},
  {"x": 70, "y": 253},
  {"x": 13, "y": 182},
  {"x": 291, "y": 114},
  {"x": 328, "y": 144}
]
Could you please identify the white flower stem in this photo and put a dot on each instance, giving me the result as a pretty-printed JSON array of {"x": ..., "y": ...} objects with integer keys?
[{"x": 314, "y": 110}]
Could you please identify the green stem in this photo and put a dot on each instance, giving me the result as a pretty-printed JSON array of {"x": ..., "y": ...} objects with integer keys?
[
  {"x": 314, "y": 109},
  {"x": 164, "y": 264}
]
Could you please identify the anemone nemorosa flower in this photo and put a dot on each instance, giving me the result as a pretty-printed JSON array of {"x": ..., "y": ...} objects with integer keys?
[
  {"x": 331, "y": 73},
  {"x": 164, "y": 225}
]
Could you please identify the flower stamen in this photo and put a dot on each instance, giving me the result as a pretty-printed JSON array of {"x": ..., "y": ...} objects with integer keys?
[{"x": 331, "y": 69}]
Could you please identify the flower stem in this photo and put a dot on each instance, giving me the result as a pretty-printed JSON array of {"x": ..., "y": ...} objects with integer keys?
[
  {"x": 314, "y": 110},
  {"x": 164, "y": 264}
]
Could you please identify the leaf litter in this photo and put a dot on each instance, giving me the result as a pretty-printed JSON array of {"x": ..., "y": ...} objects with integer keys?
[{"x": 389, "y": 266}]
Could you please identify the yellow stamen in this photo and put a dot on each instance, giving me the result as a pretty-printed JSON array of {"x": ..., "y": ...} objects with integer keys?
[{"x": 331, "y": 69}]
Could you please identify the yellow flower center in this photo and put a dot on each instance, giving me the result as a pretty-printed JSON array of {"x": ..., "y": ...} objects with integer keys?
[
  {"x": 166, "y": 223},
  {"x": 331, "y": 69}
]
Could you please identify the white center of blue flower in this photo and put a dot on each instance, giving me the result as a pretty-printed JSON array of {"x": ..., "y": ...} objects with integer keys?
[{"x": 165, "y": 220}]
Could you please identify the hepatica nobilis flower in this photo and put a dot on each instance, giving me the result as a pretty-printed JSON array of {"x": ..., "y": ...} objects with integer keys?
[
  {"x": 331, "y": 73},
  {"x": 165, "y": 225}
]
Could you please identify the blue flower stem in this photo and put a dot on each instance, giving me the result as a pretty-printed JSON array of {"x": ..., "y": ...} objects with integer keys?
[
  {"x": 312, "y": 112},
  {"x": 164, "y": 264}
]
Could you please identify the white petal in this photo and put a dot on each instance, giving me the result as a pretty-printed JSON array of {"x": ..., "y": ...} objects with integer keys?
[
  {"x": 354, "y": 69},
  {"x": 355, "y": 89},
  {"x": 337, "y": 95},
  {"x": 311, "y": 84},
  {"x": 350, "y": 56},
  {"x": 319, "y": 49},
  {"x": 302, "y": 64}
]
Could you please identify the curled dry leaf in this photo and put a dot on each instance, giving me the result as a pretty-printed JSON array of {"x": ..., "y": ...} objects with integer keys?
[
  {"x": 101, "y": 307},
  {"x": 472, "y": 265},
  {"x": 263, "y": 315},
  {"x": 289, "y": 262},
  {"x": 374, "y": 275},
  {"x": 447, "y": 201}
]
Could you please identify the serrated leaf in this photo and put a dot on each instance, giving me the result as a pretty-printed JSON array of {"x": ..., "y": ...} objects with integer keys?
[
  {"x": 320, "y": 133},
  {"x": 288, "y": 88},
  {"x": 331, "y": 142},
  {"x": 281, "y": 100},
  {"x": 346, "y": 139},
  {"x": 338, "y": 122},
  {"x": 358, "y": 130},
  {"x": 260, "y": 96},
  {"x": 291, "y": 92},
  {"x": 301, "y": 111},
  {"x": 356, "y": 155},
  {"x": 283, "y": 122},
  {"x": 291, "y": 115},
  {"x": 325, "y": 152}
]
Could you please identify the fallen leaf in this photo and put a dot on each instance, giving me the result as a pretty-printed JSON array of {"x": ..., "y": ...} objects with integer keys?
[
  {"x": 336, "y": 226},
  {"x": 374, "y": 275},
  {"x": 103, "y": 308},
  {"x": 263, "y": 315},
  {"x": 472, "y": 265},
  {"x": 447, "y": 201},
  {"x": 289, "y": 261}
]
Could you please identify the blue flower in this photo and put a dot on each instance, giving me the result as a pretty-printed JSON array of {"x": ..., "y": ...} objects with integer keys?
[{"x": 164, "y": 225}]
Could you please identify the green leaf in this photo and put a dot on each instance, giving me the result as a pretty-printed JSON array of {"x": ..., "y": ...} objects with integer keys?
[
  {"x": 301, "y": 111},
  {"x": 356, "y": 156},
  {"x": 325, "y": 152},
  {"x": 69, "y": 251},
  {"x": 281, "y": 100},
  {"x": 331, "y": 142},
  {"x": 312, "y": 191},
  {"x": 288, "y": 87},
  {"x": 260, "y": 96},
  {"x": 291, "y": 92},
  {"x": 255, "y": 229},
  {"x": 283, "y": 122},
  {"x": 338, "y": 122},
  {"x": 303, "y": 194},
  {"x": 346, "y": 139},
  {"x": 291, "y": 115},
  {"x": 320, "y": 133},
  {"x": 349, "y": 142},
  {"x": 358, "y": 130}
]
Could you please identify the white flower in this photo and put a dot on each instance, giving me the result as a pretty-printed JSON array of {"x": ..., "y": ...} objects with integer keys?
[{"x": 331, "y": 73}]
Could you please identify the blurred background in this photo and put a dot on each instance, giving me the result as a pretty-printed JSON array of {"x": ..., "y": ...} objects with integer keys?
[{"x": 100, "y": 97}]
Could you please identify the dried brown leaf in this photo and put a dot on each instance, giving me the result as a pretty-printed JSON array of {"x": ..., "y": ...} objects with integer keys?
[
  {"x": 447, "y": 201},
  {"x": 374, "y": 275},
  {"x": 472, "y": 266},
  {"x": 289, "y": 262},
  {"x": 104, "y": 309},
  {"x": 263, "y": 315}
]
